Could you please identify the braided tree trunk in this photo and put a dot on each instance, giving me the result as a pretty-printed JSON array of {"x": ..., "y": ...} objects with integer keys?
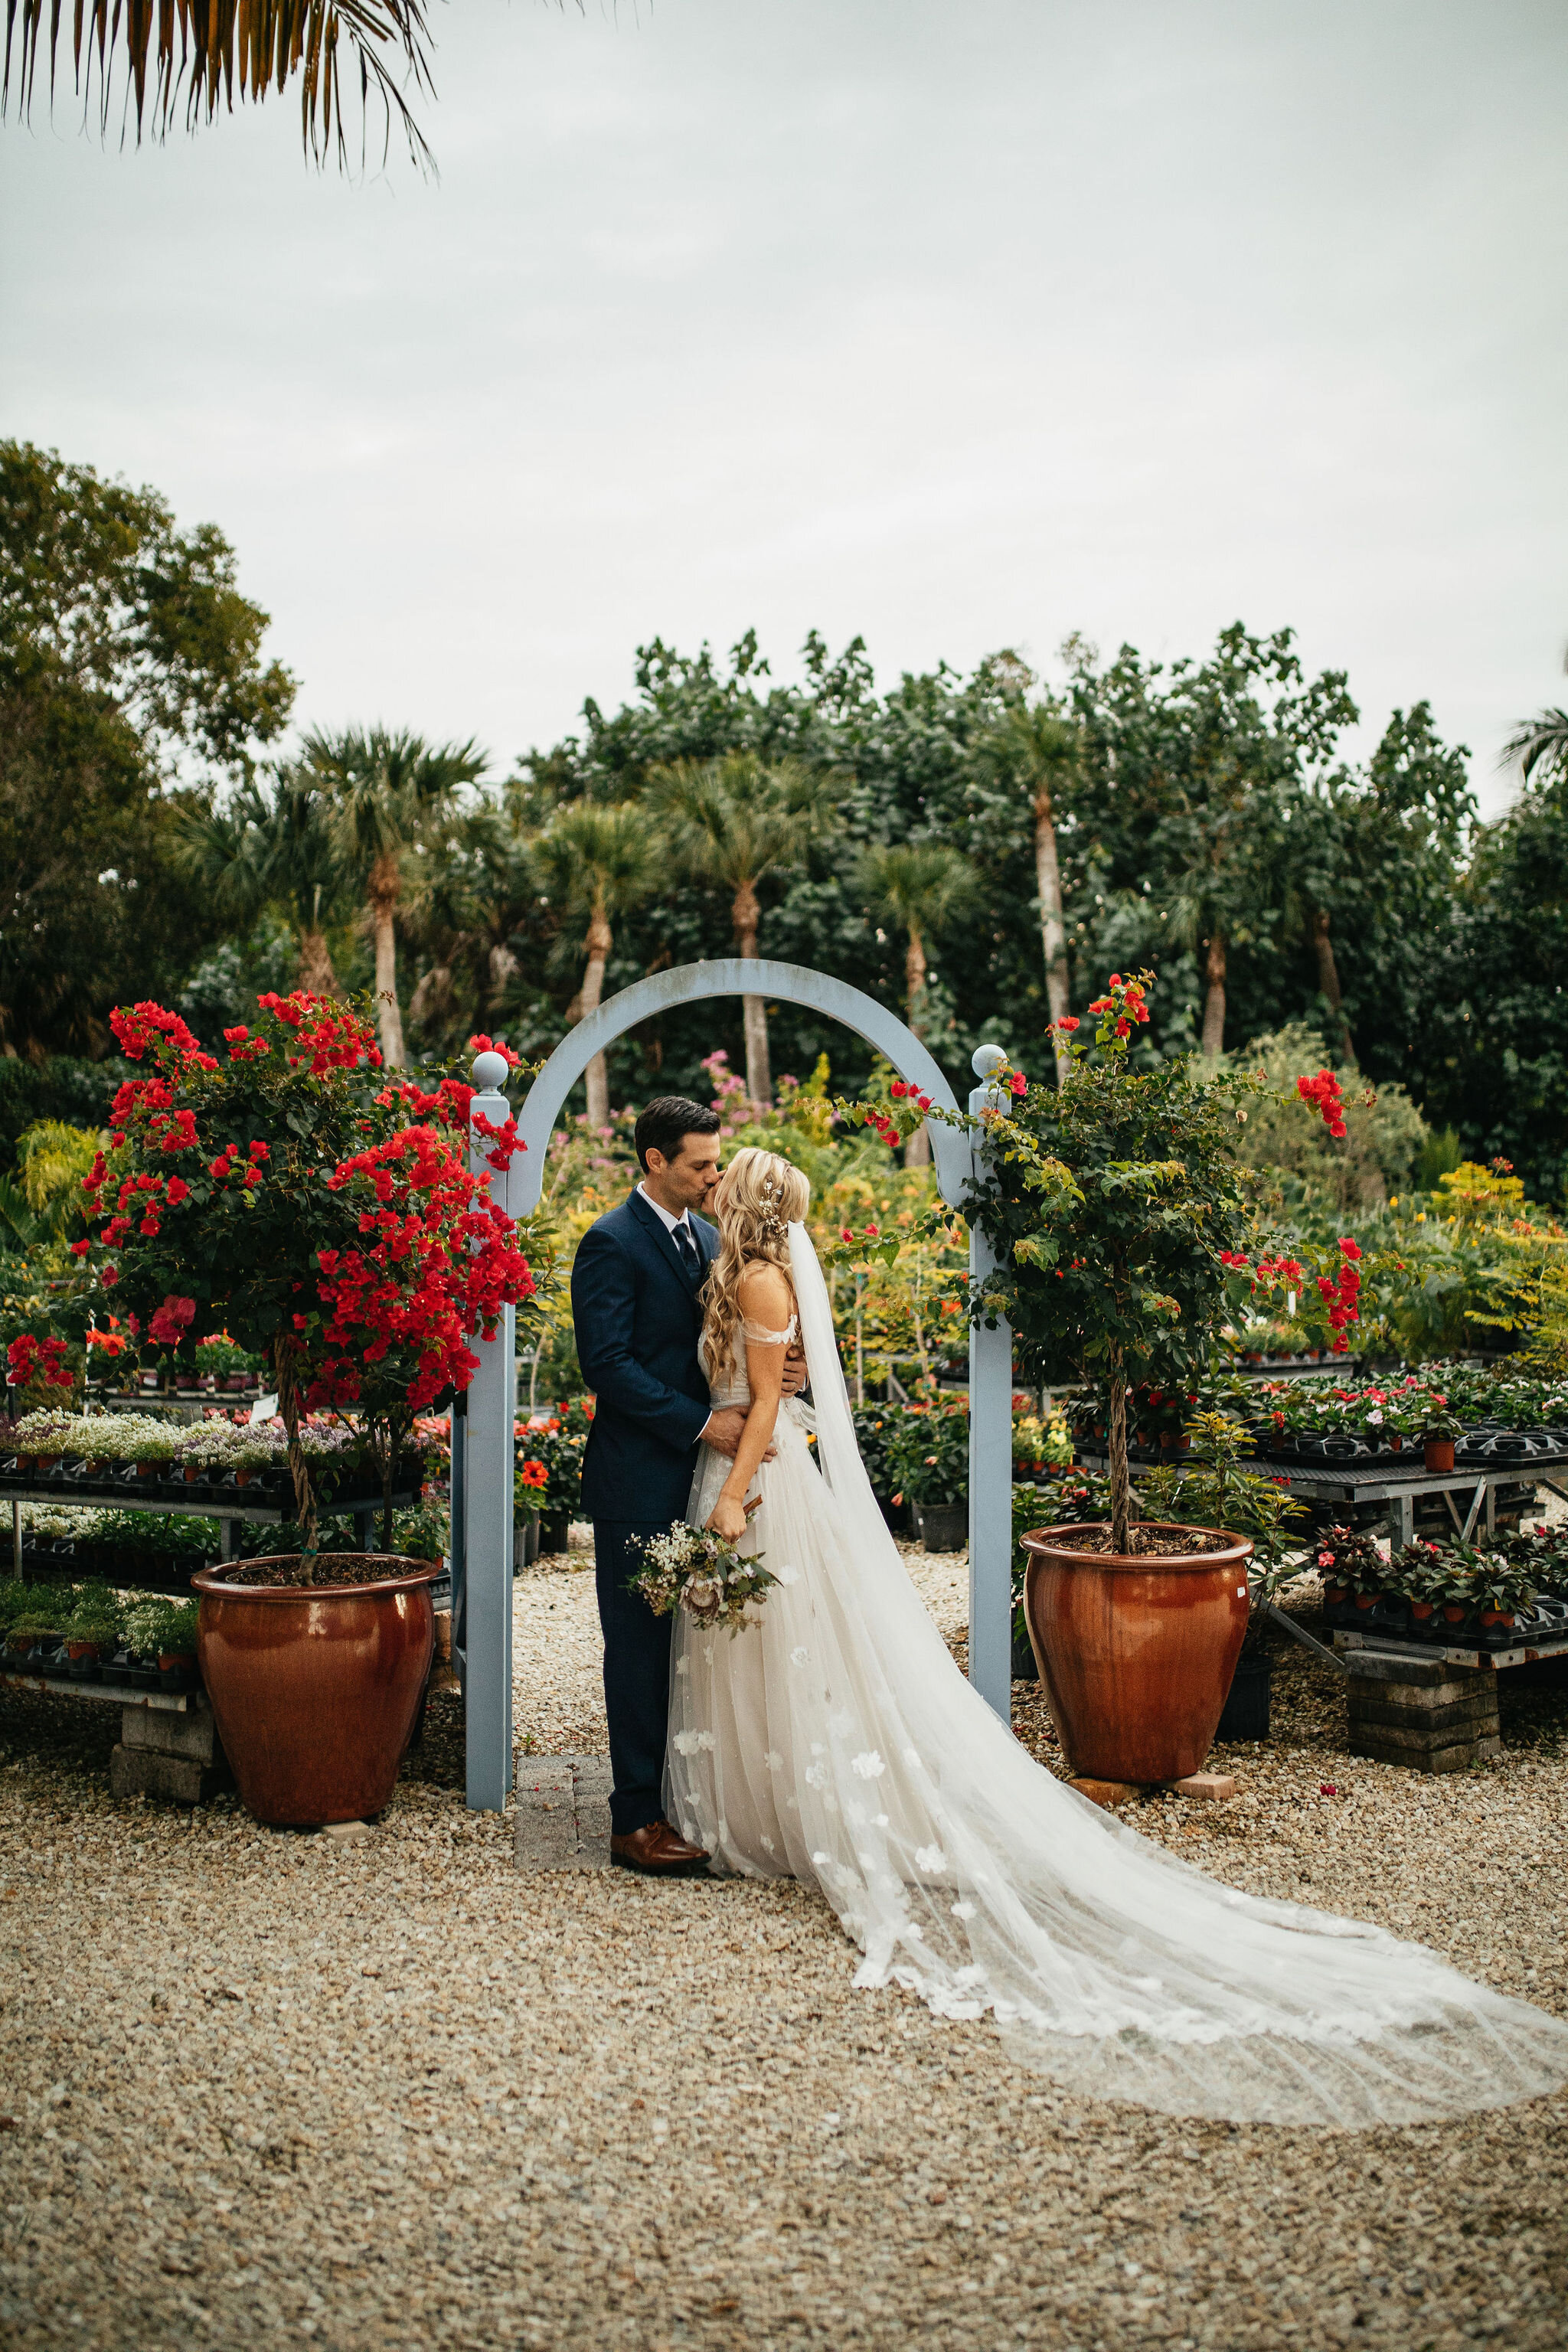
[
  {"x": 1120, "y": 1477},
  {"x": 284, "y": 1353}
]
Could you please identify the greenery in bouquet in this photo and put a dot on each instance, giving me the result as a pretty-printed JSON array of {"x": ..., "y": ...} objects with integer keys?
[
  {"x": 695, "y": 1569},
  {"x": 314, "y": 1207},
  {"x": 927, "y": 1451}
]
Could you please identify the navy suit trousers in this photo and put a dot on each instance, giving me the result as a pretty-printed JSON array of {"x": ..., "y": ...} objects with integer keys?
[{"x": 636, "y": 1675}]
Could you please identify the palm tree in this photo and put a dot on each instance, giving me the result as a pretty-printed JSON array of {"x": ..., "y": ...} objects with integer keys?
[
  {"x": 602, "y": 862},
  {"x": 1037, "y": 751},
  {"x": 920, "y": 887},
  {"x": 738, "y": 818},
  {"x": 257, "y": 45},
  {"x": 273, "y": 844},
  {"x": 1540, "y": 746},
  {"x": 390, "y": 797}
]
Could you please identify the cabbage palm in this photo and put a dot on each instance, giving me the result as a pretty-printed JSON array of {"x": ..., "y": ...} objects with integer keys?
[
  {"x": 738, "y": 818},
  {"x": 1036, "y": 751},
  {"x": 274, "y": 844},
  {"x": 600, "y": 861},
  {"x": 1540, "y": 747},
  {"x": 251, "y": 45},
  {"x": 390, "y": 797},
  {"x": 920, "y": 888}
]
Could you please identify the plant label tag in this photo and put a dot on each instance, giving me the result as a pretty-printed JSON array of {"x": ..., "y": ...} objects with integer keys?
[{"x": 263, "y": 1409}]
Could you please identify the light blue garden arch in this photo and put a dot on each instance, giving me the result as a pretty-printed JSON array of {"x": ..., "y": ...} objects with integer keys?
[{"x": 482, "y": 1446}]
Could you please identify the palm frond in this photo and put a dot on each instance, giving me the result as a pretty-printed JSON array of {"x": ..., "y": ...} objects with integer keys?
[
  {"x": 1541, "y": 744},
  {"x": 258, "y": 44}
]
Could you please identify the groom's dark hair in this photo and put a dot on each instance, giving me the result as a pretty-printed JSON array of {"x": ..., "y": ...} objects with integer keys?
[{"x": 667, "y": 1119}]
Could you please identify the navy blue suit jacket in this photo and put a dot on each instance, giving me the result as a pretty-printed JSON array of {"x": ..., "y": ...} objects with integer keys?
[{"x": 637, "y": 1316}]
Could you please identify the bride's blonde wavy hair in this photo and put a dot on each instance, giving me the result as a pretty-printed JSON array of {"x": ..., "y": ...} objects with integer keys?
[{"x": 758, "y": 1196}]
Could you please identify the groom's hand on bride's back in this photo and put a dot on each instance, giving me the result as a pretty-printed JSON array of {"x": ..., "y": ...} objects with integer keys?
[
  {"x": 795, "y": 1375},
  {"x": 723, "y": 1433}
]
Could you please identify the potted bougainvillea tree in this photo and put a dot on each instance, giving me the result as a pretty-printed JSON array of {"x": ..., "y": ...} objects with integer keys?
[
  {"x": 1115, "y": 1205},
  {"x": 322, "y": 1211}
]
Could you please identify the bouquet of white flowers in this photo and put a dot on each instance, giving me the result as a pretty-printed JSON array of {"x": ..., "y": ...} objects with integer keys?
[{"x": 695, "y": 1569}]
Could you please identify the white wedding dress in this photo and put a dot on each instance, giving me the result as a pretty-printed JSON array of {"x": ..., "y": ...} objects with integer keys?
[{"x": 835, "y": 1741}]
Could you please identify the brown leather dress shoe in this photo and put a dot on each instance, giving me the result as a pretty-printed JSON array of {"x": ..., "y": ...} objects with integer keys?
[{"x": 657, "y": 1853}]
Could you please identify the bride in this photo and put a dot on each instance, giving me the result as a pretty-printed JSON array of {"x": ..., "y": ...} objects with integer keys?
[{"x": 835, "y": 1741}]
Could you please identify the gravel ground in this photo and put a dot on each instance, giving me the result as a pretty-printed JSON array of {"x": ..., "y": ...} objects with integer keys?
[{"x": 261, "y": 2087}]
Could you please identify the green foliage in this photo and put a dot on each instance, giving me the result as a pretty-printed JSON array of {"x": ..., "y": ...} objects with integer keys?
[
  {"x": 1287, "y": 1142},
  {"x": 928, "y": 1452},
  {"x": 131, "y": 681},
  {"x": 95, "y": 1615},
  {"x": 1210, "y": 1487}
]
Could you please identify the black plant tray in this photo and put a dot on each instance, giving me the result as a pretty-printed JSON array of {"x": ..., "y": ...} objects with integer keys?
[{"x": 265, "y": 1495}]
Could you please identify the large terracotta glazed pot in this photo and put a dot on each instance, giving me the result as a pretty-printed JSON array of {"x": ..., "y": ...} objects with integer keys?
[
  {"x": 1136, "y": 1654},
  {"x": 315, "y": 1689}
]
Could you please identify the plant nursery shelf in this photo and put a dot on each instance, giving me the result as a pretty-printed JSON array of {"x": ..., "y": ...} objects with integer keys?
[
  {"x": 1397, "y": 1489},
  {"x": 116, "y": 1694},
  {"x": 1484, "y": 1661},
  {"x": 164, "y": 1496}
]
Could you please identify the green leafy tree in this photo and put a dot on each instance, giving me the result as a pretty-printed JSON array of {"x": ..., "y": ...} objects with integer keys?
[
  {"x": 131, "y": 683},
  {"x": 393, "y": 798},
  {"x": 739, "y": 818}
]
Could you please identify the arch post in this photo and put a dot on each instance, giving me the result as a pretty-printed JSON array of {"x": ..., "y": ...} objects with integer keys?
[
  {"x": 483, "y": 1436},
  {"x": 483, "y": 1446},
  {"x": 990, "y": 1456}
]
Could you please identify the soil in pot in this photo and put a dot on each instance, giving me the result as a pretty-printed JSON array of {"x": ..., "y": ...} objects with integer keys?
[
  {"x": 1136, "y": 1651},
  {"x": 943, "y": 1526},
  {"x": 1245, "y": 1715},
  {"x": 315, "y": 1689}
]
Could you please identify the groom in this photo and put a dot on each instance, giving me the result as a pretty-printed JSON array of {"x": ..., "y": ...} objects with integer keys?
[{"x": 637, "y": 1314}]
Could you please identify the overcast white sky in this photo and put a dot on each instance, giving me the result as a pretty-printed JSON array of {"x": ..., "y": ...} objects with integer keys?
[{"x": 956, "y": 323}]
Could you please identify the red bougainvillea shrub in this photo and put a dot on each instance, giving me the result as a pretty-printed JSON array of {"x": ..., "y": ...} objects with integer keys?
[{"x": 317, "y": 1209}]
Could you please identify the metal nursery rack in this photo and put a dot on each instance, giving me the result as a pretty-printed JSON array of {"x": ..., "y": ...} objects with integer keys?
[
  {"x": 131, "y": 1493},
  {"x": 1347, "y": 1483}
]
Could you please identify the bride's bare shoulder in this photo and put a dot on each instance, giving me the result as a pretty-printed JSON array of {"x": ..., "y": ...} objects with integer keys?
[{"x": 767, "y": 1299}]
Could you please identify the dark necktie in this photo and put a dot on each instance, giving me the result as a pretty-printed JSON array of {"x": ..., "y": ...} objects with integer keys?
[{"x": 686, "y": 1243}]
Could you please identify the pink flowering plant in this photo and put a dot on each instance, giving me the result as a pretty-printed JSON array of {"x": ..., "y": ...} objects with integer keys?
[{"x": 316, "y": 1208}]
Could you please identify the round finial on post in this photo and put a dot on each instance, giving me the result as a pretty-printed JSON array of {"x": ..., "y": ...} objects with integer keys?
[
  {"x": 490, "y": 1073},
  {"x": 985, "y": 1059}
]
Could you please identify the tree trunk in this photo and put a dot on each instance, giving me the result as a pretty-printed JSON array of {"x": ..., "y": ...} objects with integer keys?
[
  {"x": 1214, "y": 998},
  {"x": 1116, "y": 1446},
  {"x": 1052, "y": 927},
  {"x": 316, "y": 973},
  {"x": 746, "y": 915},
  {"x": 917, "y": 1151},
  {"x": 283, "y": 1354},
  {"x": 1329, "y": 982},
  {"x": 383, "y": 910},
  {"x": 598, "y": 944}
]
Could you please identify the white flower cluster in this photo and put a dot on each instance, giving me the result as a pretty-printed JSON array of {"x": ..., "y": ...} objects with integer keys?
[
  {"x": 693, "y": 1569},
  {"x": 212, "y": 1445}
]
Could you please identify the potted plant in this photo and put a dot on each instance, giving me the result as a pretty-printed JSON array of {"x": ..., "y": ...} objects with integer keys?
[
  {"x": 1212, "y": 1487},
  {"x": 92, "y": 1631},
  {"x": 1440, "y": 1430},
  {"x": 1117, "y": 1216},
  {"x": 324, "y": 1215},
  {"x": 927, "y": 1453}
]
